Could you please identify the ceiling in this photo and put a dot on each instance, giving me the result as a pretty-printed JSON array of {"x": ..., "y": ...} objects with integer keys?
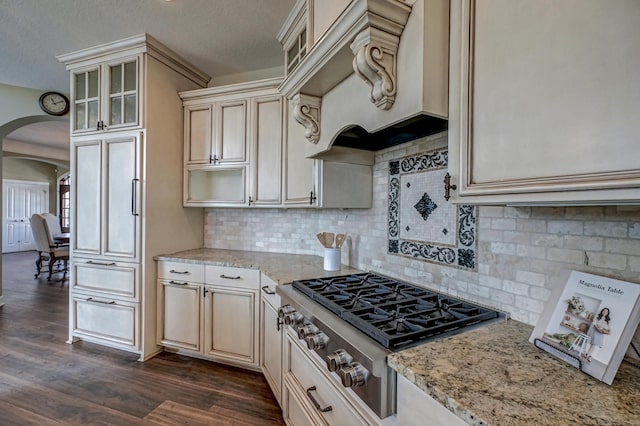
[{"x": 221, "y": 37}]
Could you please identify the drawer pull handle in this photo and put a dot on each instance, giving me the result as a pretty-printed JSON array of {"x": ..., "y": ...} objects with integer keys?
[
  {"x": 267, "y": 290},
  {"x": 92, "y": 300},
  {"x": 177, "y": 283},
  {"x": 315, "y": 403},
  {"x": 230, "y": 278},
  {"x": 101, "y": 264},
  {"x": 173, "y": 271}
]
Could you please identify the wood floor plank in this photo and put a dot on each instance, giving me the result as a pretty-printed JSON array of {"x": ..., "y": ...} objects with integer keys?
[
  {"x": 11, "y": 414},
  {"x": 53, "y": 404},
  {"x": 45, "y": 381},
  {"x": 171, "y": 413}
]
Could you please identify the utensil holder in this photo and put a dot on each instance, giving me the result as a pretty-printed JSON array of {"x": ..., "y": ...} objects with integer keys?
[{"x": 332, "y": 259}]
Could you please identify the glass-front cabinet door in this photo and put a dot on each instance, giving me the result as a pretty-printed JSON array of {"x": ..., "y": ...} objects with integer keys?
[
  {"x": 106, "y": 97},
  {"x": 86, "y": 93},
  {"x": 123, "y": 93}
]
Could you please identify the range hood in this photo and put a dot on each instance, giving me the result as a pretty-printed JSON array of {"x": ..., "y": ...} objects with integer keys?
[
  {"x": 406, "y": 131},
  {"x": 358, "y": 113}
]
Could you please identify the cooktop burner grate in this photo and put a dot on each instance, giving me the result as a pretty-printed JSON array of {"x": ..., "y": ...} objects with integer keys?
[{"x": 394, "y": 313}]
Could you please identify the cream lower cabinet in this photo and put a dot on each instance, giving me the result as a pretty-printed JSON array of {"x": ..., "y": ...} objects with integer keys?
[
  {"x": 416, "y": 408},
  {"x": 209, "y": 312},
  {"x": 311, "y": 396},
  {"x": 271, "y": 335}
]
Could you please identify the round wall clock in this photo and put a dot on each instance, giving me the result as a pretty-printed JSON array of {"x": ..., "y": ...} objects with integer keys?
[{"x": 54, "y": 103}]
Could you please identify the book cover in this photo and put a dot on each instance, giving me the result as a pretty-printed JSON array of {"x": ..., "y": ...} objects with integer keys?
[{"x": 590, "y": 323}]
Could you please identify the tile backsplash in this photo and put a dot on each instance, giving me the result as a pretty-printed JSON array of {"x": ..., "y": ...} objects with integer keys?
[{"x": 522, "y": 252}]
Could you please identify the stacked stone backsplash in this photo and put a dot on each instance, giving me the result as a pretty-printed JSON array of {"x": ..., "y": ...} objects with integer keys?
[{"x": 522, "y": 252}]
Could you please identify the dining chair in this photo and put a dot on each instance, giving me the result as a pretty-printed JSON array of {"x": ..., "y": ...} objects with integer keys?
[
  {"x": 40, "y": 241},
  {"x": 47, "y": 248},
  {"x": 53, "y": 222}
]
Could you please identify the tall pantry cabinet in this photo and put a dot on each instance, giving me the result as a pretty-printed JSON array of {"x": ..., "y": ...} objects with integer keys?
[{"x": 126, "y": 187}]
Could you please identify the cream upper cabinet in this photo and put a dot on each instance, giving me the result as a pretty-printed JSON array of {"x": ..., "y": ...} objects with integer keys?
[
  {"x": 233, "y": 145},
  {"x": 216, "y": 133},
  {"x": 266, "y": 141},
  {"x": 544, "y": 102},
  {"x": 316, "y": 183},
  {"x": 106, "y": 96}
]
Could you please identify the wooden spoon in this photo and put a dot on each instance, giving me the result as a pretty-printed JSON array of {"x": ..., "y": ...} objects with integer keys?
[
  {"x": 328, "y": 238},
  {"x": 339, "y": 240},
  {"x": 320, "y": 236}
]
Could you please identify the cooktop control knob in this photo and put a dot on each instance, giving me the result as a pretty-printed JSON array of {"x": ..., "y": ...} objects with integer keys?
[
  {"x": 306, "y": 330},
  {"x": 293, "y": 318},
  {"x": 317, "y": 340},
  {"x": 353, "y": 375},
  {"x": 338, "y": 359},
  {"x": 285, "y": 309}
]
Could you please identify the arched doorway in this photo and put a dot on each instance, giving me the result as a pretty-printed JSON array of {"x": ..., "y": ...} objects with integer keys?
[{"x": 9, "y": 127}]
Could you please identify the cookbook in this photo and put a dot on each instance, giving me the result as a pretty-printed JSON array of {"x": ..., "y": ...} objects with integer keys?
[{"x": 589, "y": 323}]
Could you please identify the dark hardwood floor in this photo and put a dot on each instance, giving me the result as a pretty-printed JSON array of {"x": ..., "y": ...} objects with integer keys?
[{"x": 45, "y": 381}]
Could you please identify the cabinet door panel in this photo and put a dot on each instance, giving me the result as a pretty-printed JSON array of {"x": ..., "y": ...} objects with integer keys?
[
  {"x": 538, "y": 119},
  {"x": 230, "y": 324},
  {"x": 86, "y": 206},
  {"x": 198, "y": 134},
  {"x": 180, "y": 314},
  {"x": 267, "y": 131},
  {"x": 231, "y": 135},
  {"x": 300, "y": 171},
  {"x": 121, "y": 203},
  {"x": 271, "y": 343}
]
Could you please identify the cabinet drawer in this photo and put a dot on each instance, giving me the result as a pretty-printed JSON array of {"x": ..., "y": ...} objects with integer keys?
[
  {"x": 105, "y": 320},
  {"x": 232, "y": 277},
  {"x": 181, "y": 271},
  {"x": 109, "y": 279},
  {"x": 296, "y": 411},
  {"x": 304, "y": 375}
]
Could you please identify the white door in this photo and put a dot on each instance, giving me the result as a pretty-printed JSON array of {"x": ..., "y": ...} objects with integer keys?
[{"x": 20, "y": 200}]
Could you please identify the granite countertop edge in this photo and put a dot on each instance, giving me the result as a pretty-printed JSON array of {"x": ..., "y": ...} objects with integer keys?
[
  {"x": 493, "y": 375},
  {"x": 283, "y": 268}
]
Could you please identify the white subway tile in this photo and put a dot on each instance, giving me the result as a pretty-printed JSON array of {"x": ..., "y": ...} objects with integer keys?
[
  {"x": 532, "y": 278},
  {"x": 565, "y": 227}
]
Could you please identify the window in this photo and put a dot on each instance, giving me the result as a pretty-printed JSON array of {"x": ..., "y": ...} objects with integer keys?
[
  {"x": 297, "y": 52},
  {"x": 65, "y": 203}
]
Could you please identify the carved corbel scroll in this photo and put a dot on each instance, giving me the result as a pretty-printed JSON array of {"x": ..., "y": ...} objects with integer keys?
[
  {"x": 375, "y": 62},
  {"x": 306, "y": 111}
]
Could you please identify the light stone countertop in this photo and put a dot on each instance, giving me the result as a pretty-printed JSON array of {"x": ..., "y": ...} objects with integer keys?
[
  {"x": 494, "y": 376},
  {"x": 281, "y": 267}
]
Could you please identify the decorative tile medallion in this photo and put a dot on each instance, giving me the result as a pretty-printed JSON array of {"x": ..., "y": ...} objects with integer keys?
[{"x": 422, "y": 224}]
